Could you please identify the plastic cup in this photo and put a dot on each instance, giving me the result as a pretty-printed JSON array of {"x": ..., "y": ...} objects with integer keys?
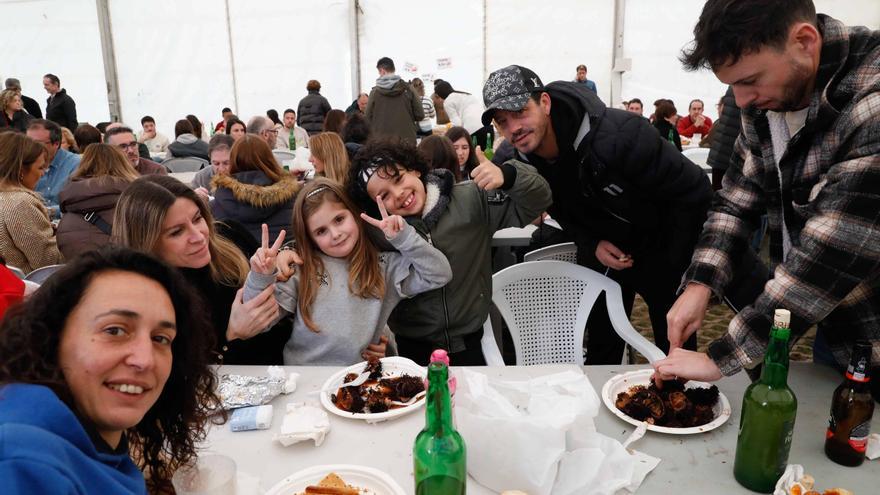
[{"x": 213, "y": 474}]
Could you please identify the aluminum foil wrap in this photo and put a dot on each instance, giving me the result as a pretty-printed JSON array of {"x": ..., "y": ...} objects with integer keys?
[{"x": 242, "y": 391}]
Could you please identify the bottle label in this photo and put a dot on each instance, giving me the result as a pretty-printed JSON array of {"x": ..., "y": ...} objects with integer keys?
[
  {"x": 858, "y": 437},
  {"x": 832, "y": 426},
  {"x": 785, "y": 444},
  {"x": 858, "y": 372}
]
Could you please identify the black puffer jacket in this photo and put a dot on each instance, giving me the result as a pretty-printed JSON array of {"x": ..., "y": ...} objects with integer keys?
[
  {"x": 616, "y": 179},
  {"x": 311, "y": 112},
  {"x": 724, "y": 132},
  {"x": 252, "y": 199}
]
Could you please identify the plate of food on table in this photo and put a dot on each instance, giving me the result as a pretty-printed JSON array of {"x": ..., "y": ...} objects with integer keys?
[
  {"x": 375, "y": 390},
  {"x": 676, "y": 408},
  {"x": 341, "y": 479}
]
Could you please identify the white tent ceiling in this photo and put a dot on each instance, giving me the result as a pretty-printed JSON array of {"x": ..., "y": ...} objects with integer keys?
[{"x": 174, "y": 58}]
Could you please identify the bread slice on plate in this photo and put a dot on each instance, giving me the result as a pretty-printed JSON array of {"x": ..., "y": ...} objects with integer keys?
[{"x": 332, "y": 484}]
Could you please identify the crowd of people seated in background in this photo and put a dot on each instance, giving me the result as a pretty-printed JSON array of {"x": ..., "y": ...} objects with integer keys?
[{"x": 383, "y": 244}]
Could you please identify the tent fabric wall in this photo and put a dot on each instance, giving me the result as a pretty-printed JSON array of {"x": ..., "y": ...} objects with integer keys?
[
  {"x": 424, "y": 41},
  {"x": 173, "y": 57},
  {"x": 554, "y": 38},
  {"x": 58, "y": 37}
]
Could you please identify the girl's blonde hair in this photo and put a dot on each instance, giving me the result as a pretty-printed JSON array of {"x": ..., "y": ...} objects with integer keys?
[
  {"x": 103, "y": 160},
  {"x": 141, "y": 211},
  {"x": 365, "y": 277},
  {"x": 329, "y": 148}
]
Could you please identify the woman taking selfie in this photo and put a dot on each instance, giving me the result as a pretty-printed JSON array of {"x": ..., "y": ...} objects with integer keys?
[
  {"x": 162, "y": 216},
  {"x": 119, "y": 365}
]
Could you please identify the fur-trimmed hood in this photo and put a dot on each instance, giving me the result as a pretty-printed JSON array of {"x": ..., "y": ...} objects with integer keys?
[
  {"x": 438, "y": 188},
  {"x": 252, "y": 199},
  {"x": 255, "y": 189}
]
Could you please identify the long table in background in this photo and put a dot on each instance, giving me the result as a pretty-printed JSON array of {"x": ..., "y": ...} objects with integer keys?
[{"x": 689, "y": 464}]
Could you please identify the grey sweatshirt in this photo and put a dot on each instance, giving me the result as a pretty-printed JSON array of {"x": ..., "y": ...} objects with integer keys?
[{"x": 347, "y": 323}]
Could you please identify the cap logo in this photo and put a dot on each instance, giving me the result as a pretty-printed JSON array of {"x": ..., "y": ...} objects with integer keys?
[{"x": 534, "y": 81}]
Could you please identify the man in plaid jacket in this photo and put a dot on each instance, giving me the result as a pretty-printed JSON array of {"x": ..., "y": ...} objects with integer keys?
[{"x": 808, "y": 155}]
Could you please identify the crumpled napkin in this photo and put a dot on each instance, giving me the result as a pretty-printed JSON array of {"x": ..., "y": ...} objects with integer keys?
[
  {"x": 538, "y": 436},
  {"x": 793, "y": 475},
  {"x": 303, "y": 422},
  {"x": 873, "y": 451}
]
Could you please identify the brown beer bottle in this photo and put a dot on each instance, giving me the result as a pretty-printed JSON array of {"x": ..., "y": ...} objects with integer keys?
[{"x": 851, "y": 409}]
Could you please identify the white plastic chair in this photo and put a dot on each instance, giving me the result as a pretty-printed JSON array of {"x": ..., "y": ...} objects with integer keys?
[
  {"x": 546, "y": 305},
  {"x": 700, "y": 156},
  {"x": 41, "y": 274},
  {"x": 185, "y": 164},
  {"x": 282, "y": 155},
  {"x": 567, "y": 251}
]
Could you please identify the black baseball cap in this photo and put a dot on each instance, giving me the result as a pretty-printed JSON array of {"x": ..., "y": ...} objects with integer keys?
[{"x": 509, "y": 89}]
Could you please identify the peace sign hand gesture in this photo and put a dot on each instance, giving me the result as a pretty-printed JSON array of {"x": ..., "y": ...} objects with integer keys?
[
  {"x": 391, "y": 225},
  {"x": 263, "y": 261}
]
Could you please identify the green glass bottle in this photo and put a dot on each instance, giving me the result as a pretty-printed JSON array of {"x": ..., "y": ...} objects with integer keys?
[
  {"x": 768, "y": 413},
  {"x": 291, "y": 140},
  {"x": 439, "y": 454},
  {"x": 489, "y": 152}
]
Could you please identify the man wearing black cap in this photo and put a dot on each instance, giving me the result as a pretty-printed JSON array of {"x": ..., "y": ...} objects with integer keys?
[{"x": 634, "y": 205}]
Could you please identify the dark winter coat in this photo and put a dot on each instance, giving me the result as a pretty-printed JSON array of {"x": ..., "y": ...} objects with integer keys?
[
  {"x": 83, "y": 196},
  {"x": 252, "y": 199},
  {"x": 616, "y": 179},
  {"x": 19, "y": 122},
  {"x": 395, "y": 112},
  {"x": 62, "y": 110},
  {"x": 724, "y": 133},
  {"x": 311, "y": 111}
]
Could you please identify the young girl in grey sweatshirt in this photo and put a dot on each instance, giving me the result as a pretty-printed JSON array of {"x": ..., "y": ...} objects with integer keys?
[{"x": 345, "y": 289}]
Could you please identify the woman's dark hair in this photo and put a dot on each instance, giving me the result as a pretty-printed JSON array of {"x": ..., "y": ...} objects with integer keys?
[
  {"x": 196, "y": 124},
  {"x": 86, "y": 134},
  {"x": 356, "y": 129},
  {"x": 454, "y": 134},
  {"x": 439, "y": 153},
  {"x": 167, "y": 435},
  {"x": 183, "y": 126},
  {"x": 231, "y": 122},
  {"x": 385, "y": 155},
  {"x": 273, "y": 115},
  {"x": 334, "y": 121},
  {"x": 665, "y": 109},
  {"x": 729, "y": 29}
]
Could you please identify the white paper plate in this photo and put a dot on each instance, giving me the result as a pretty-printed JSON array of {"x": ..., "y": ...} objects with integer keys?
[
  {"x": 622, "y": 383},
  {"x": 391, "y": 366},
  {"x": 369, "y": 480}
]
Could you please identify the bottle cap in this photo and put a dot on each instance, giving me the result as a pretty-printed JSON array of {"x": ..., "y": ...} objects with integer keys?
[
  {"x": 440, "y": 356},
  {"x": 781, "y": 318}
]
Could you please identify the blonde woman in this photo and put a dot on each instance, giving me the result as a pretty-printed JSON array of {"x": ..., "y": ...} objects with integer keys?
[
  {"x": 11, "y": 113},
  {"x": 329, "y": 156},
  {"x": 162, "y": 216},
  {"x": 27, "y": 240},
  {"x": 88, "y": 201}
]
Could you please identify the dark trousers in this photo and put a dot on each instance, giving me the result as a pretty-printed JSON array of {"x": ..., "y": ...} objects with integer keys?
[
  {"x": 657, "y": 285},
  {"x": 658, "y": 288},
  {"x": 420, "y": 350}
]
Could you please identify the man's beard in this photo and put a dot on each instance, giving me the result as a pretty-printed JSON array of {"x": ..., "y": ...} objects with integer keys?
[{"x": 798, "y": 85}]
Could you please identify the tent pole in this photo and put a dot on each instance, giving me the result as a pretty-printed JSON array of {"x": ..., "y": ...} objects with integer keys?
[
  {"x": 108, "y": 52},
  {"x": 485, "y": 39},
  {"x": 620, "y": 64},
  {"x": 231, "y": 59},
  {"x": 354, "y": 35}
]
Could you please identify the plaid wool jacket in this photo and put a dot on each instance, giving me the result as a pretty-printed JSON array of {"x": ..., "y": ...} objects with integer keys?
[{"x": 828, "y": 195}]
